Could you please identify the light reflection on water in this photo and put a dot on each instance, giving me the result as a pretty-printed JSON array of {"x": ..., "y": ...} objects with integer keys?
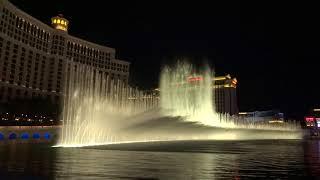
[{"x": 165, "y": 160}]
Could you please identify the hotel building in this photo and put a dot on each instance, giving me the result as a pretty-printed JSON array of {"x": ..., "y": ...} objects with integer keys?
[
  {"x": 225, "y": 94},
  {"x": 34, "y": 56}
]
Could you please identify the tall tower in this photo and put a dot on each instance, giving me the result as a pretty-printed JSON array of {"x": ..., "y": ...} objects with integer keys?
[
  {"x": 225, "y": 91},
  {"x": 60, "y": 23}
]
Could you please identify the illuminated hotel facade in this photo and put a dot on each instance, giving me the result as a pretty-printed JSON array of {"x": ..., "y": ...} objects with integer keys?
[
  {"x": 225, "y": 94},
  {"x": 34, "y": 56}
]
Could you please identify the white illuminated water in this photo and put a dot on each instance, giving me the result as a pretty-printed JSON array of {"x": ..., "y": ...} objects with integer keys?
[
  {"x": 182, "y": 94},
  {"x": 99, "y": 110}
]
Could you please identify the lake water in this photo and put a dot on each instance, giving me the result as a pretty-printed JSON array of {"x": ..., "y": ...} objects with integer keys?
[{"x": 182, "y": 160}]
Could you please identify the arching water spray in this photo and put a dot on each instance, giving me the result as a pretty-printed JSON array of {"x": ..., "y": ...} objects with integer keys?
[{"x": 101, "y": 110}]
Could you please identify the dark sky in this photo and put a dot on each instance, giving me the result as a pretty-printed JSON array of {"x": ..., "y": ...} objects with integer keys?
[{"x": 273, "y": 50}]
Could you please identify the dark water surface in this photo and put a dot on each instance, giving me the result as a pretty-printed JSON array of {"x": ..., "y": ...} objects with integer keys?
[{"x": 263, "y": 159}]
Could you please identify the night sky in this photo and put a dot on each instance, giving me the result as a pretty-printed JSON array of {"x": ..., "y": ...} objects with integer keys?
[{"x": 273, "y": 52}]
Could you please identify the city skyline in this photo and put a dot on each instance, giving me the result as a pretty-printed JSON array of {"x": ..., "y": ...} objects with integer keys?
[{"x": 262, "y": 49}]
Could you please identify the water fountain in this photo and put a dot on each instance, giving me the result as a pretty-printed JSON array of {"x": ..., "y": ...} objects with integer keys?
[
  {"x": 101, "y": 110},
  {"x": 96, "y": 106},
  {"x": 188, "y": 92}
]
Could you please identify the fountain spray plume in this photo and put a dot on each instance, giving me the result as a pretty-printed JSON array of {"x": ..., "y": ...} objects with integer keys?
[
  {"x": 99, "y": 109},
  {"x": 97, "y": 106},
  {"x": 187, "y": 91}
]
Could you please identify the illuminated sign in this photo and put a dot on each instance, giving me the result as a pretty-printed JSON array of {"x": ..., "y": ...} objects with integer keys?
[
  {"x": 192, "y": 79},
  {"x": 309, "y": 119}
]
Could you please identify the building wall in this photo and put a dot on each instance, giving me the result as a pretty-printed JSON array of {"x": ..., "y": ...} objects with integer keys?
[
  {"x": 225, "y": 95},
  {"x": 226, "y": 100},
  {"x": 34, "y": 56}
]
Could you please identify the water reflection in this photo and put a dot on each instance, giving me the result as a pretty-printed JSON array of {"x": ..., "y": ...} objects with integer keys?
[
  {"x": 141, "y": 164},
  {"x": 312, "y": 158},
  {"x": 26, "y": 160},
  {"x": 165, "y": 160}
]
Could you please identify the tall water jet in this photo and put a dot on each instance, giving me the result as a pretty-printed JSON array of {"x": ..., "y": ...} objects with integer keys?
[
  {"x": 101, "y": 110},
  {"x": 96, "y": 106},
  {"x": 188, "y": 92}
]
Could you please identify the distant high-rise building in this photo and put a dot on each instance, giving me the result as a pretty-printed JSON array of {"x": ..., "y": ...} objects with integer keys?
[
  {"x": 225, "y": 94},
  {"x": 34, "y": 56}
]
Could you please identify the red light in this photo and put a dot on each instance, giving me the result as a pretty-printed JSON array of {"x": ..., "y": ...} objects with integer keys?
[
  {"x": 192, "y": 79},
  {"x": 309, "y": 119}
]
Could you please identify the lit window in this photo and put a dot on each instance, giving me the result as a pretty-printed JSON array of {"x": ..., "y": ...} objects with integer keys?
[
  {"x": 58, "y": 21},
  {"x": 62, "y": 21},
  {"x": 54, "y": 21}
]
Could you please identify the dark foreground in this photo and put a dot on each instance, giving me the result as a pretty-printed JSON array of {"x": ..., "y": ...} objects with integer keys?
[{"x": 265, "y": 159}]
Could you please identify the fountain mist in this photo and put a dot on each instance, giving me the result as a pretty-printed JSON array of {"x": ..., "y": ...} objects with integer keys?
[
  {"x": 96, "y": 107},
  {"x": 188, "y": 92},
  {"x": 101, "y": 110}
]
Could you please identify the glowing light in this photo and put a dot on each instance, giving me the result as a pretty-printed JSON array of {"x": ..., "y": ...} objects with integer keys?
[
  {"x": 47, "y": 135},
  {"x": 229, "y": 85},
  {"x": 59, "y": 23},
  {"x": 309, "y": 119},
  {"x": 234, "y": 81},
  {"x": 318, "y": 122},
  {"x": 61, "y": 28},
  {"x": 24, "y": 136},
  {"x": 192, "y": 79},
  {"x": 316, "y": 110},
  {"x": 219, "y": 78},
  {"x": 276, "y": 121}
]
